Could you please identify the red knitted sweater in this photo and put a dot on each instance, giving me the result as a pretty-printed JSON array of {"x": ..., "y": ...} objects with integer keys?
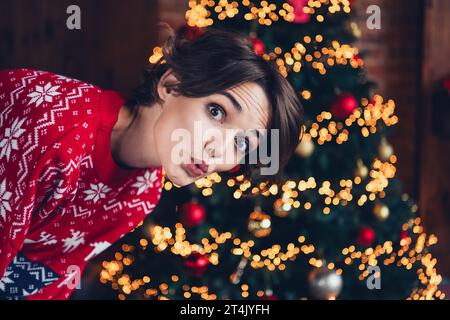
[{"x": 63, "y": 199}]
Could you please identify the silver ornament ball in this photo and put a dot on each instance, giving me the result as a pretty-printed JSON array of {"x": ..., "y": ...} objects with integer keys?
[{"x": 324, "y": 284}]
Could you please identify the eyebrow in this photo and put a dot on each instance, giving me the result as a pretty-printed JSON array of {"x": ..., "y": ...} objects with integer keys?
[{"x": 233, "y": 100}]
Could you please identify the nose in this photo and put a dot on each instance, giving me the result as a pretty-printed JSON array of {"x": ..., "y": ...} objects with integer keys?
[
  {"x": 211, "y": 149},
  {"x": 217, "y": 149}
]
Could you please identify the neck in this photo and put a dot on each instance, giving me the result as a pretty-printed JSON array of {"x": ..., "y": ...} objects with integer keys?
[{"x": 132, "y": 137}]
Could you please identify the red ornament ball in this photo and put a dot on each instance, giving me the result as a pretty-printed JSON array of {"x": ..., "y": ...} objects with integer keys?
[
  {"x": 366, "y": 236},
  {"x": 190, "y": 33},
  {"x": 403, "y": 235},
  {"x": 300, "y": 16},
  {"x": 192, "y": 214},
  {"x": 196, "y": 264},
  {"x": 357, "y": 58},
  {"x": 258, "y": 46},
  {"x": 344, "y": 105},
  {"x": 446, "y": 84}
]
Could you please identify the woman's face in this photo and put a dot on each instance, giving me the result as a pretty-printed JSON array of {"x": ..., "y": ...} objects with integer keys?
[{"x": 195, "y": 137}]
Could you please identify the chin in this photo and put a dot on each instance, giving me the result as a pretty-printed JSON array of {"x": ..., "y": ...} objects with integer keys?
[{"x": 178, "y": 177}]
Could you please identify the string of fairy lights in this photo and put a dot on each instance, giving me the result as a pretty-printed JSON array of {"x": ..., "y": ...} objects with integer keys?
[
  {"x": 337, "y": 54},
  {"x": 264, "y": 12},
  {"x": 273, "y": 259},
  {"x": 367, "y": 118},
  {"x": 199, "y": 15},
  {"x": 409, "y": 252},
  {"x": 291, "y": 61},
  {"x": 379, "y": 174}
]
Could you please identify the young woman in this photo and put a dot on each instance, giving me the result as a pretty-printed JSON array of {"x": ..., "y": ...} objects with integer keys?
[{"x": 80, "y": 167}]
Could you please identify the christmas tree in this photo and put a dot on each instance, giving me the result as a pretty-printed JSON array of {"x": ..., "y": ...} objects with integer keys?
[{"x": 337, "y": 227}]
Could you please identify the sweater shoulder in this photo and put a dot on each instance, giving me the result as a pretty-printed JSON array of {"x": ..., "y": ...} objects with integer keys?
[
  {"x": 46, "y": 99},
  {"x": 40, "y": 108}
]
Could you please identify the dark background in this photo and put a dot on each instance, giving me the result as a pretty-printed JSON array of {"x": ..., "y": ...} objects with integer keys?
[
  {"x": 408, "y": 57},
  {"x": 114, "y": 42}
]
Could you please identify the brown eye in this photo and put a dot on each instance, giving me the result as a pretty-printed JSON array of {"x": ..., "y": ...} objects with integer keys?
[
  {"x": 242, "y": 144},
  {"x": 216, "y": 111}
]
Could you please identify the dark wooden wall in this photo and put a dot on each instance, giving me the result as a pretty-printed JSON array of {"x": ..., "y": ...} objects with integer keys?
[
  {"x": 394, "y": 62},
  {"x": 114, "y": 42},
  {"x": 434, "y": 146},
  {"x": 407, "y": 57}
]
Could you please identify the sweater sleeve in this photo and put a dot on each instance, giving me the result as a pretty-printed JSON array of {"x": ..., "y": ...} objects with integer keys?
[{"x": 51, "y": 182}]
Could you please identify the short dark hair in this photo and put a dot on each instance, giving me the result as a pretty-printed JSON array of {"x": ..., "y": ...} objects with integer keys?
[{"x": 223, "y": 59}]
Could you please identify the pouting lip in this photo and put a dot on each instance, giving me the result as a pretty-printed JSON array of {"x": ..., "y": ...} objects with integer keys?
[
  {"x": 201, "y": 164},
  {"x": 195, "y": 168}
]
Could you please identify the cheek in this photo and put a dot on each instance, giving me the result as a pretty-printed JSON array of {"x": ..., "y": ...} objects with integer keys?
[
  {"x": 162, "y": 133},
  {"x": 174, "y": 121}
]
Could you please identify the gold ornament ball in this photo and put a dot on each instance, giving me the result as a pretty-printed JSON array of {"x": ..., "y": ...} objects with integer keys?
[
  {"x": 361, "y": 170},
  {"x": 305, "y": 148},
  {"x": 259, "y": 223},
  {"x": 385, "y": 150},
  {"x": 281, "y": 208},
  {"x": 355, "y": 29},
  {"x": 381, "y": 211}
]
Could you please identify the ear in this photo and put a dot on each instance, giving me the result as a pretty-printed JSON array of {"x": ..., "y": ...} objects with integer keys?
[{"x": 167, "y": 78}]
